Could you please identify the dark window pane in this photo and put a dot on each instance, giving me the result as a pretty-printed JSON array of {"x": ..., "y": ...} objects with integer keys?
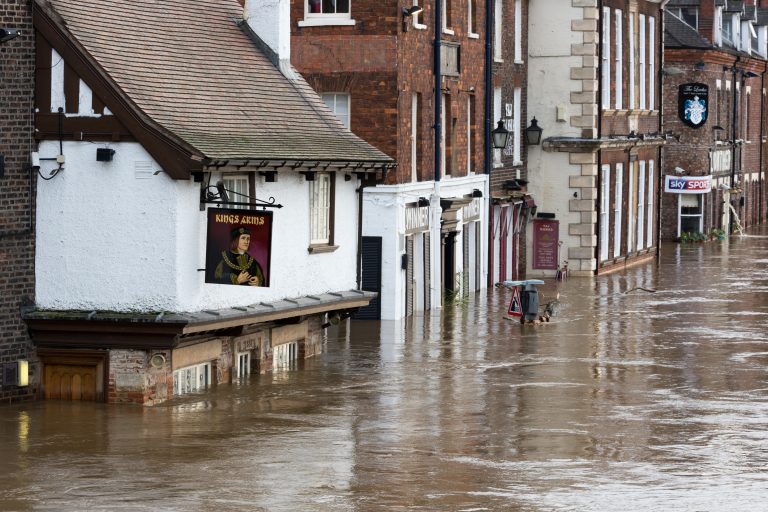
[
  {"x": 314, "y": 6},
  {"x": 342, "y": 6},
  {"x": 329, "y": 6},
  {"x": 690, "y": 224}
]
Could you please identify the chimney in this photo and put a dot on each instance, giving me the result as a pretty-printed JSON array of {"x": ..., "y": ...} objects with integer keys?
[{"x": 270, "y": 20}]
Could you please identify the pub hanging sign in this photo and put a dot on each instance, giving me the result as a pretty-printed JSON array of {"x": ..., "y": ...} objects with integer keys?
[
  {"x": 693, "y": 104},
  {"x": 239, "y": 247}
]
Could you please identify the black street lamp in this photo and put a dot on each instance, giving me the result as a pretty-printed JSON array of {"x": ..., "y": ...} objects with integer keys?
[
  {"x": 6, "y": 34},
  {"x": 533, "y": 133},
  {"x": 500, "y": 136}
]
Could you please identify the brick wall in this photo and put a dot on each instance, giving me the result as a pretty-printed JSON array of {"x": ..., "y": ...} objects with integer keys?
[{"x": 17, "y": 246}]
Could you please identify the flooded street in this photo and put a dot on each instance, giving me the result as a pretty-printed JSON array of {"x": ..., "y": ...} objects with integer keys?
[{"x": 629, "y": 400}]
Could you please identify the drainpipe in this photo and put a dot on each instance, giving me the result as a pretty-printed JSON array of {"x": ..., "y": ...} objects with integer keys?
[
  {"x": 660, "y": 169},
  {"x": 599, "y": 155},
  {"x": 760, "y": 146},
  {"x": 489, "y": 22},
  {"x": 438, "y": 88},
  {"x": 734, "y": 125}
]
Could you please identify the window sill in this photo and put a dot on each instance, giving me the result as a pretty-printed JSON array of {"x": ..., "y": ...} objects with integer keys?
[
  {"x": 318, "y": 249},
  {"x": 419, "y": 26},
  {"x": 472, "y": 35},
  {"x": 325, "y": 22},
  {"x": 448, "y": 31},
  {"x": 518, "y": 61},
  {"x": 498, "y": 59}
]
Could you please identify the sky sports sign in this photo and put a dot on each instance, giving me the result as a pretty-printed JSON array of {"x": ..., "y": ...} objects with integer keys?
[{"x": 688, "y": 184}]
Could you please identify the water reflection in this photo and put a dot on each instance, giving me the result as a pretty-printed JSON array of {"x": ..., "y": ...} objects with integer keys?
[{"x": 648, "y": 392}]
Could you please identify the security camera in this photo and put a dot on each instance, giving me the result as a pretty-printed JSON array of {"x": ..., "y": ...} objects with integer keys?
[{"x": 679, "y": 170}]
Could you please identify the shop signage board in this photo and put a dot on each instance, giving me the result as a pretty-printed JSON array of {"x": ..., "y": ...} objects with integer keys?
[
  {"x": 416, "y": 219},
  {"x": 693, "y": 104},
  {"x": 546, "y": 235},
  {"x": 688, "y": 184},
  {"x": 238, "y": 247}
]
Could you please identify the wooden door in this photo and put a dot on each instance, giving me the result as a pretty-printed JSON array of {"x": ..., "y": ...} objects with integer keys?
[{"x": 70, "y": 382}]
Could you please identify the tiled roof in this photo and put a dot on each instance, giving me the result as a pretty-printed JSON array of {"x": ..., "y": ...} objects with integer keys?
[
  {"x": 678, "y": 34},
  {"x": 190, "y": 67}
]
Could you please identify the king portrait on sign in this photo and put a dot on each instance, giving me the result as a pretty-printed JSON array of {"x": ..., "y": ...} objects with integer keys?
[{"x": 238, "y": 248}]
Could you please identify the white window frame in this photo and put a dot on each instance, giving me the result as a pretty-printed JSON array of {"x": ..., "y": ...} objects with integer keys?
[
  {"x": 285, "y": 356},
  {"x": 762, "y": 41},
  {"x": 471, "y": 20},
  {"x": 414, "y": 136},
  {"x": 518, "y": 31},
  {"x": 446, "y": 29},
  {"x": 469, "y": 135},
  {"x": 320, "y": 209},
  {"x": 718, "y": 26},
  {"x": 736, "y": 30},
  {"x": 631, "y": 60},
  {"x": 700, "y": 199},
  {"x": 641, "y": 206},
  {"x": 642, "y": 60},
  {"x": 242, "y": 365},
  {"x": 191, "y": 378},
  {"x": 605, "y": 209},
  {"x": 619, "y": 57},
  {"x": 517, "y": 131},
  {"x": 605, "y": 71},
  {"x": 337, "y": 99},
  {"x": 617, "y": 209},
  {"x": 631, "y": 212},
  {"x": 649, "y": 210},
  {"x": 443, "y": 152},
  {"x": 314, "y": 19},
  {"x": 651, "y": 63},
  {"x": 498, "y": 54},
  {"x": 415, "y": 18},
  {"x": 497, "y": 115},
  {"x": 239, "y": 184}
]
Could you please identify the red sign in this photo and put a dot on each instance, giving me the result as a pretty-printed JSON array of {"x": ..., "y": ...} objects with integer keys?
[
  {"x": 239, "y": 247},
  {"x": 546, "y": 235},
  {"x": 515, "y": 308}
]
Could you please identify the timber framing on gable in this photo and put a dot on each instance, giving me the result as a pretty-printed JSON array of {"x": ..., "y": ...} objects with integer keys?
[{"x": 128, "y": 122}]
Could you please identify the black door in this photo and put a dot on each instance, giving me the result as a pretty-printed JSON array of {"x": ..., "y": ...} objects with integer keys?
[{"x": 371, "y": 277}]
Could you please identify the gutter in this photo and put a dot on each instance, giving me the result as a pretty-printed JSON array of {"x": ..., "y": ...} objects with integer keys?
[{"x": 438, "y": 88}]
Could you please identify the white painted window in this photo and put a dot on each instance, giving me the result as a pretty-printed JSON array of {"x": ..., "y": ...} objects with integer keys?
[
  {"x": 447, "y": 18},
  {"x": 641, "y": 206},
  {"x": 641, "y": 60},
  {"x": 618, "y": 205},
  {"x": 330, "y": 12},
  {"x": 339, "y": 103},
  {"x": 242, "y": 365},
  {"x": 605, "y": 70},
  {"x": 619, "y": 63},
  {"x": 736, "y": 31},
  {"x": 649, "y": 210},
  {"x": 472, "y": 19},
  {"x": 517, "y": 131},
  {"x": 496, "y": 118},
  {"x": 605, "y": 208},
  {"x": 652, "y": 63},
  {"x": 518, "y": 31},
  {"x": 748, "y": 37},
  {"x": 631, "y": 207},
  {"x": 237, "y": 189},
  {"x": 470, "y": 115},
  {"x": 285, "y": 356},
  {"x": 746, "y": 116},
  {"x": 191, "y": 379},
  {"x": 719, "y": 26},
  {"x": 414, "y": 137},
  {"x": 762, "y": 41},
  {"x": 632, "y": 60},
  {"x": 443, "y": 119},
  {"x": 320, "y": 209},
  {"x": 497, "y": 30},
  {"x": 689, "y": 15},
  {"x": 416, "y": 18},
  {"x": 690, "y": 214}
]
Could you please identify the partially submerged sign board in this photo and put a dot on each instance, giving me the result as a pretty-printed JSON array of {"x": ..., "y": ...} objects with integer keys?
[
  {"x": 239, "y": 247},
  {"x": 688, "y": 184}
]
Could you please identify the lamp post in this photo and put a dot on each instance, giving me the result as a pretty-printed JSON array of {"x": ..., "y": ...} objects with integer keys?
[{"x": 533, "y": 133}]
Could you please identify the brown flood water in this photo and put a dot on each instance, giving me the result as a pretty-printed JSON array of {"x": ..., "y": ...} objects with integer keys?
[{"x": 626, "y": 401}]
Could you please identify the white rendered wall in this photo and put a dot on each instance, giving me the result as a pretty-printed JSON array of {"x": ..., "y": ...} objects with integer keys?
[
  {"x": 550, "y": 62},
  {"x": 112, "y": 238},
  {"x": 271, "y": 21},
  {"x": 384, "y": 216}
]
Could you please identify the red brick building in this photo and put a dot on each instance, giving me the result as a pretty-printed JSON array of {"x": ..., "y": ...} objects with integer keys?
[
  {"x": 17, "y": 189},
  {"x": 721, "y": 49},
  {"x": 426, "y": 223}
]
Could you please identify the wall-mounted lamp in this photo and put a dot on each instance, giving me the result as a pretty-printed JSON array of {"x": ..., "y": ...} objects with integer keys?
[
  {"x": 269, "y": 176},
  {"x": 347, "y": 177},
  {"x": 308, "y": 175},
  {"x": 749, "y": 74},
  {"x": 500, "y": 136},
  {"x": 423, "y": 201},
  {"x": 6, "y": 34},
  {"x": 477, "y": 193},
  {"x": 533, "y": 133},
  {"x": 410, "y": 11},
  {"x": 104, "y": 154},
  {"x": 223, "y": 195}
]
